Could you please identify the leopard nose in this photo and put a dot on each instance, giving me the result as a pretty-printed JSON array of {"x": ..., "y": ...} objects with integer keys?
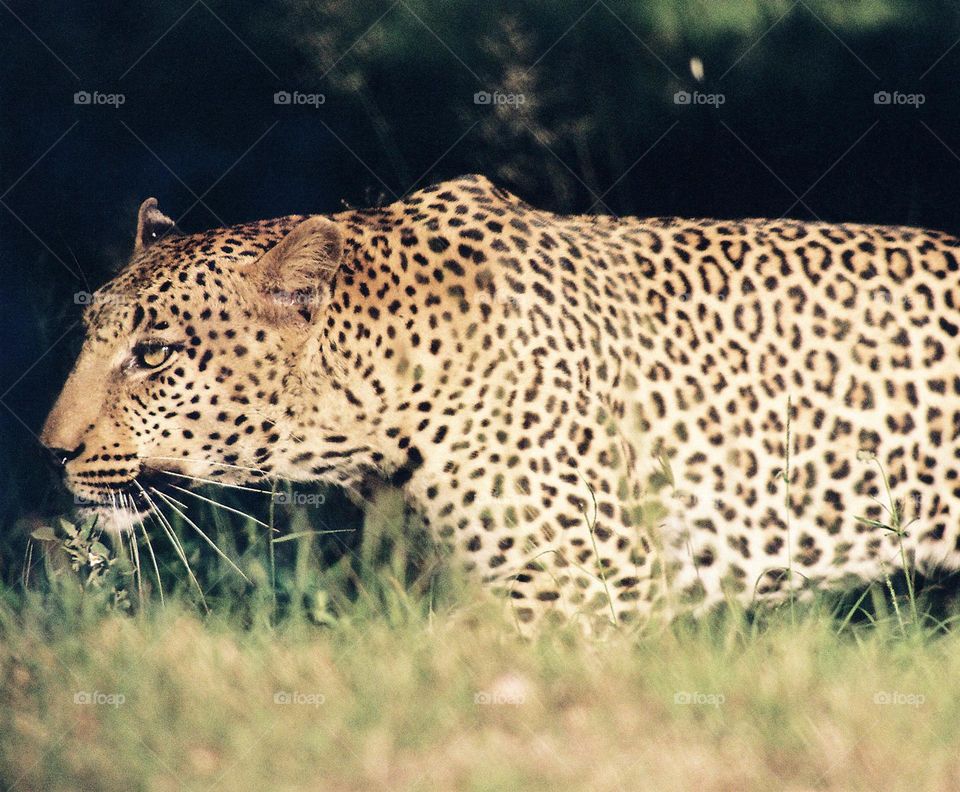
[{"x": 61, "y": 456}]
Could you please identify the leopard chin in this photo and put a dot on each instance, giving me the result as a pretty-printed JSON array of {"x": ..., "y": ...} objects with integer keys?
[{"x": 114, "y": 520}]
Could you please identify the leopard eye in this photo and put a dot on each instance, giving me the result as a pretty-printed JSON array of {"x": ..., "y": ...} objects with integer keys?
[{"x": 152, "y": 355}]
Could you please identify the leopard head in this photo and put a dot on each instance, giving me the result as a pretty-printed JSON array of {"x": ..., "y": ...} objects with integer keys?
[{"x": 202, "y": 358}]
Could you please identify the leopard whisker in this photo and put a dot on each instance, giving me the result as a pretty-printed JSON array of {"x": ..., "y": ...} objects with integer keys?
[
  {"x": 219, "y": 505},
  {"x": 179, "y": 503},
  {"x": 212, "y": 481},
  {"x": 134, "y": 547},
  {"x": 115, "y": 510},
  {"x": 174, "y": 540},
  {"x": 153, "y": 558},
  {"x": 169, "y": 501}
]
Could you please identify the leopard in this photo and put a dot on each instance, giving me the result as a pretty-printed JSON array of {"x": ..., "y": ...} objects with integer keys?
[{"x": 617, "y": 417}]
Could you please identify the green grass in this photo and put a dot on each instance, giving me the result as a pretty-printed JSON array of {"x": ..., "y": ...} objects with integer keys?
[{"x": 383, "y": 669}]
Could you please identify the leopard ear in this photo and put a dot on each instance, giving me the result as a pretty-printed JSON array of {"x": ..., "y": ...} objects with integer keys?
[
  {"x": 151, "y": 225},
  {"x": 295, "y": 273}
]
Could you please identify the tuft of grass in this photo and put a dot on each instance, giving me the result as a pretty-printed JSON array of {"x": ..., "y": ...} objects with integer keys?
[
  {"x": 452, "y": 699},
  {"x": 897, "y": 526},
  {"x": 345, "y": 664}
]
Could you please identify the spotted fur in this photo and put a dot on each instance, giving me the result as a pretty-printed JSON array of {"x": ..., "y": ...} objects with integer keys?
[{"x": 587, "y": 409}]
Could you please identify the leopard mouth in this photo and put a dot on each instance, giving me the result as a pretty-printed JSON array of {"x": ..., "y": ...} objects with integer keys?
[{"x": 121, "y": 506}]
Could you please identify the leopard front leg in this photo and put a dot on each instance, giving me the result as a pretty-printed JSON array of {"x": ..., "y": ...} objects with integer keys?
[{"x": 559, "y": 534}]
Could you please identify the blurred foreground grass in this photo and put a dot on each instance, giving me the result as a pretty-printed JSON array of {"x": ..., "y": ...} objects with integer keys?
[{"x": 365, "y": 675}]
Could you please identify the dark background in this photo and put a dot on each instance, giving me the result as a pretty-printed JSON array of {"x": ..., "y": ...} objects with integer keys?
[{"x": 798, "y": 133}]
